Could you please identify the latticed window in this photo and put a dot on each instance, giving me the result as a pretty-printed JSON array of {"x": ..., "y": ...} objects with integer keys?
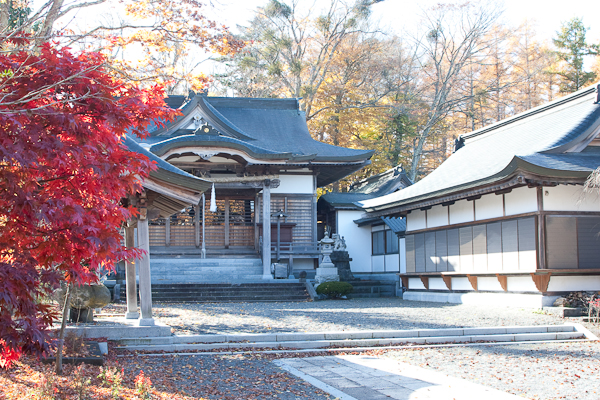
[{"x": 384, "y": 242}]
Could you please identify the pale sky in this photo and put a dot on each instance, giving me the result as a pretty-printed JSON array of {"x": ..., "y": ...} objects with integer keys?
[
  {"x": 403, "y": 14},
  {"x": 395, "y": 16}
]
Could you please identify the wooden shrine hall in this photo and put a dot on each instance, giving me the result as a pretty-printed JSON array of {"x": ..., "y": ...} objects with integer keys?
[{"x": 259, "y": 161}]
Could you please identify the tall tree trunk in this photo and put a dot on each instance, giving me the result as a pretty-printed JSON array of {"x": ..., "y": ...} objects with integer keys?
[
  {"x": 49, "y": 21},
  {"x": 63, "y": 325}
]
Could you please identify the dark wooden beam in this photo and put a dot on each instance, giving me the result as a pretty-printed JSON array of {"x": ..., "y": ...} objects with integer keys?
[
  {"x": 541, "y": 281},
  {"x": 473, "y": 281},
  {"x": 404, "y": 281},
  {"x": 448, "y": 281},
  {"x": 503, "y": 281},
  {"x": 425, "y": 280}
]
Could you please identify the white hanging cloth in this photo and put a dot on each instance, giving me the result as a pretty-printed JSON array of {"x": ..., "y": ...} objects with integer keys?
[{"x": 213, "y": 200}]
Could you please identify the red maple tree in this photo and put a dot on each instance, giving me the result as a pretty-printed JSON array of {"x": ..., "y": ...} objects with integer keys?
[{"x": 63, "y": 171}]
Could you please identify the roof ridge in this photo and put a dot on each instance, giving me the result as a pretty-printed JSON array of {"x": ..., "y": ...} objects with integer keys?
[
  {"x": 533, "y": 111},
  {"x": 235, "y": 101}
]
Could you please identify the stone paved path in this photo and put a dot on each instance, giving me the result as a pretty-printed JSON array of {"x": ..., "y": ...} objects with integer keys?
[{"x": 362, "y": 377}]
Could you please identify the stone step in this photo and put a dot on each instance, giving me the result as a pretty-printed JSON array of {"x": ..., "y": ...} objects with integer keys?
[
  {"x": 224, "y": 293},
  {"x": 232, "y": 299},
  {"x": 249, "y": 292},
  {"x": 354, "y": 339},
  {"x": 223, "y": 286}
]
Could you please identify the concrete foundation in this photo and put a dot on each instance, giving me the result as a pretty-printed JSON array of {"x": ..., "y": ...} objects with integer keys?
[{"x": 477, "y": 298}]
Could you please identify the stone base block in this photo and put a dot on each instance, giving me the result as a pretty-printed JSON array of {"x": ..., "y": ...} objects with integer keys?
[
  {"x": 326, "y": 275},
  {"x": 132, "y": 315},
  {"x": 146, "y": 322}
]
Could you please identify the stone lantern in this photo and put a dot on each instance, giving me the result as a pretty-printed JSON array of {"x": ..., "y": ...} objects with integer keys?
[{"x": 327, "y": 271}]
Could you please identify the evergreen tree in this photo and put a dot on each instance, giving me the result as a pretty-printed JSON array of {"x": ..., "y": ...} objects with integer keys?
[{"x": 572, "y": 48}]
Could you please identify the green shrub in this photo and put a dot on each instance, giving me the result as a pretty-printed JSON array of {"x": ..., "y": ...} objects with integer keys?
[{"x": 334, "y": 289}]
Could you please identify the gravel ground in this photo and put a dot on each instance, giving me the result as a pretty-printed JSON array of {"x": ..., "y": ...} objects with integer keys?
[
  {"x": 536, "y": 371},
  {"x": 340, "y": 315},
  {"x": 223, "y": 377}
]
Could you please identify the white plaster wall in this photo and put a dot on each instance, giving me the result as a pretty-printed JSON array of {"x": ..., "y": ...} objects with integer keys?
[
  {"x": 520, "y": 284},
  {"x": 520, "y": 200},
  {"x": 415, "y": 283},
  {"x": 378, "y": 263},
  {"x": 510, "y": 261},
  {"x": 461, "y": 283},
  {"x": 527, "y": 260},
  {"x": 358, "y": 240},
  {"x": 392, "y": 263},
  {"x": 573, "y": 283},
  {"x": 415, "y": 220},
  {"x": 461, "y": 211},
  {"x": 437, "y": 216},
  {"x": 569, "y": 198},
  {"x": 378, "y": 228},
  {"x": 437, "y": 284},
  {"x": 402, "y": 250},
  {"x": 488, "y": 283},
  {"x": 489, "y": 206},
  {"x": 299, "y": 184}
]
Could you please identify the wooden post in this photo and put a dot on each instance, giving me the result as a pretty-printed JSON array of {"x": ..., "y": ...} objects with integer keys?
[
  {"x": 541, "y": 228},
  {"x": 131, "y": 284},
  {"x": 226, "y": 223},
  {"x": 256, "y": 221},
  {"x": 168, "y": 231},
  {"x": 279, "y": 239},
  {"x": 266, "y": 250},
  {"x": 197, "y": 225},
  {"x": 203, "y": 253},
  {"x": 144, "y": 271}
]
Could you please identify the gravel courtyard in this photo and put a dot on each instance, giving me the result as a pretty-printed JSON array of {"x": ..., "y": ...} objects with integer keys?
[
  {"x": 534, "y": 371},
  {"x": 340, "y": 315}
]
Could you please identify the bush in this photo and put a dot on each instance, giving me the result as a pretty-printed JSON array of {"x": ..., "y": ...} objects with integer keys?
[{"x": 334, "y": 289}]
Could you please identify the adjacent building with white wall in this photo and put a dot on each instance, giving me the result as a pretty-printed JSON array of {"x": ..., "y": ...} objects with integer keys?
[{"x": 505, "y": 218}]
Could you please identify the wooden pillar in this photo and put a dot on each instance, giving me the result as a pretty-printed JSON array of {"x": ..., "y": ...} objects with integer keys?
[
  {"x": 203, "y": 253},
  {"x": 131, "y": 284},
  {"x": 197, "y": 225},
  {"x": 168, "y": 231},
  {"x": 144, "y": 270},
  {"x": 256, "y": 221},
  {"x": 266, "y": 250},
  {"x": 541, "y": 229},
  {"x": 226, "y": 223}
]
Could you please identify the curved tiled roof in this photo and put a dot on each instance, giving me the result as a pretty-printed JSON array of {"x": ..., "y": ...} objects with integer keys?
[
  {"x": 167, "y": 172},
  {"x": 273, "y": 126},
  {"x": 535, "y": 140},
  {"x": 161, "y": 148}
]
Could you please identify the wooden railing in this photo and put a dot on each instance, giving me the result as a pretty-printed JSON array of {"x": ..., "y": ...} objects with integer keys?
[{"x": 302, "y": 249}]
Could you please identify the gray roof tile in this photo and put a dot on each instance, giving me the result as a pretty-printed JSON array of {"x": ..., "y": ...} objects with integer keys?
[
  {"x": 493, "y": 152},
  {"x": 371, "y": 187}
]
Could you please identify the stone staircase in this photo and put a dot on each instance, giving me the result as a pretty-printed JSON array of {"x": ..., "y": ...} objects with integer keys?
[
  {"x": 198, "y": 270},
  {"x": 356, "y": 339},
  {"x": 227, "y": 292},
  {"x": 372, "y": 289}
]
